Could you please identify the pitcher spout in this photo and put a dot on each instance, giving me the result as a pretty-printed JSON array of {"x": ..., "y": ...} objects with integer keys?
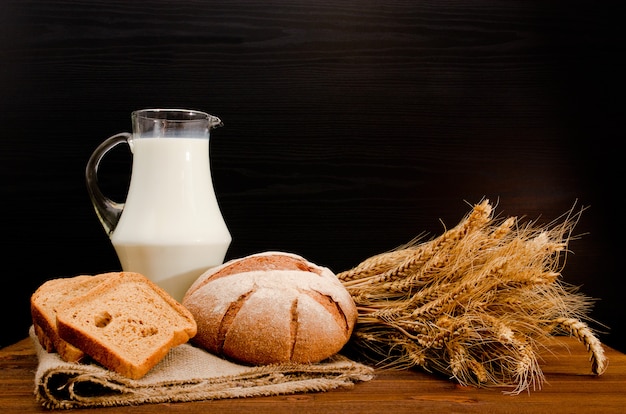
[{"x": 215, "y": 122}]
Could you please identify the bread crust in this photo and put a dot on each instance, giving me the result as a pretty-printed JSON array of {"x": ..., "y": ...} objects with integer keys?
[
  {"x": 271, "y": 307},
  {"x": 126, "y": 323},
  {"x": 43, "y": 307}
]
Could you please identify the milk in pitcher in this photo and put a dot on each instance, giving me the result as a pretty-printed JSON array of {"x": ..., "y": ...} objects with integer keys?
[{"x": 171, "y": 229}]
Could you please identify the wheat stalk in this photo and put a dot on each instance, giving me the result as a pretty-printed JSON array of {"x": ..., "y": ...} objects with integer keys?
[{"x": 475, "y": 303}]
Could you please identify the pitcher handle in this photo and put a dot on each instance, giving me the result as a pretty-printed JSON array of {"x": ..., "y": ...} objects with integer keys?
[{"x": 107, "y": 210}]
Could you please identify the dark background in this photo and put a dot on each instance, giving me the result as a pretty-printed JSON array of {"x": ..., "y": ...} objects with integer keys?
[{"x": 350, "y": 126}]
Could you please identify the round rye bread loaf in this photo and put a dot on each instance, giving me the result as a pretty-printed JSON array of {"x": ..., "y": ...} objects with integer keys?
[{"x": 271, "y": 307}]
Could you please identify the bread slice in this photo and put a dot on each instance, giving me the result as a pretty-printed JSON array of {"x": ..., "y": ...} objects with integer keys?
[
  {"x": 43, "y": 307},
  {"x": 126, "y": 323}
]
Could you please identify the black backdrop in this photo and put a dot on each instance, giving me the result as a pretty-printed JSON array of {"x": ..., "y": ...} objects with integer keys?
[{"x": 350, "y": 126}]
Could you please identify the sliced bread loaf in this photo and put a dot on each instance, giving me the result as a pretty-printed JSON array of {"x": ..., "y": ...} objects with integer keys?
[
  {"x": 43, "y": 307},
  {"x": 126, "y": 323}
]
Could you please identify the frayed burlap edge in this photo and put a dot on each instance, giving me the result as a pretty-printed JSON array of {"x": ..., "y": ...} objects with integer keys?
[{"x": 186, "y": 374}]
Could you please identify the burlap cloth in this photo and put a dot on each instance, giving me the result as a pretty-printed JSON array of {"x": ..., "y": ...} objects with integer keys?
[{"x": 187, "y": 373}]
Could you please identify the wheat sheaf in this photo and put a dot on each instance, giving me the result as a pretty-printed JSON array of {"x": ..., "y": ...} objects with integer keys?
[{"x": 475, "y": 303}]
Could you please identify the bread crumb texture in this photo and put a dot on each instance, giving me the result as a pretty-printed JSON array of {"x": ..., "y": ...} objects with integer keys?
[
  {"x": 128, "y": 324},
  {"x": 44, "y": 303}
]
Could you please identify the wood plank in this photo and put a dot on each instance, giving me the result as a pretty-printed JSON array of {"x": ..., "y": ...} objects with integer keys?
[
  {"x": 350, "y": 127},
  {"x": 569, "y": 388}
]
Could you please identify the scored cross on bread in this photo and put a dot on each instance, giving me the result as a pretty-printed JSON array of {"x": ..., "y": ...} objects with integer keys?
[
  {"x": 126, "y": 323},
  {"x": 271, "y": 307}
]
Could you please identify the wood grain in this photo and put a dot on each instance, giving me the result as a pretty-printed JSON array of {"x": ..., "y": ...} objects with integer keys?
[
  {"x": 350, "y": 127},
  {"x": 569, "y": 388}
]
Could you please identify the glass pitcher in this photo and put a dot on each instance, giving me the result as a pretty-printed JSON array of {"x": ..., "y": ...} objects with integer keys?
[{"x": 170, "y": 228}]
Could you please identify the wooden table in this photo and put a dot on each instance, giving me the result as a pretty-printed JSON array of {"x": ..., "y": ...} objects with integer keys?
[{"x": 569, "y": 388}]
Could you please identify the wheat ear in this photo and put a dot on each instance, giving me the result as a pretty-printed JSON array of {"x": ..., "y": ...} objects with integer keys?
[{"x": 583, "y": 333}]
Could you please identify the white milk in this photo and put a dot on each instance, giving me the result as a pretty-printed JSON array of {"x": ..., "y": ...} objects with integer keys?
[{"x": 171, "y": 229}]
